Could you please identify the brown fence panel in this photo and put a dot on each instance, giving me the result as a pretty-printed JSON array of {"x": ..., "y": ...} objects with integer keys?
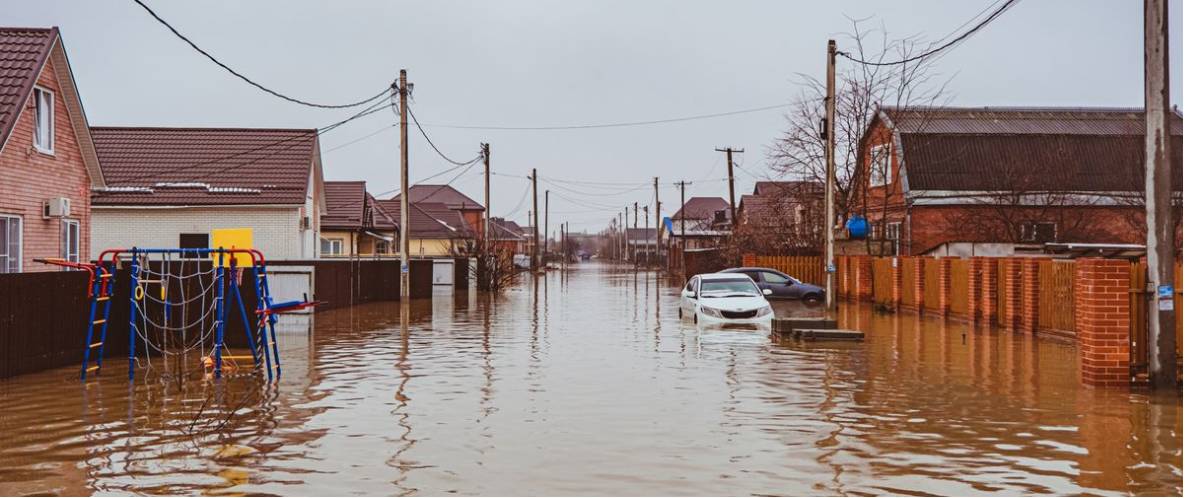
[
  {"x": 1138, "y": 316},
  {"x": 809, "y": 269},
  {"x": 909, "y": 269},
  {"x": 1002, "y": 286},
  {"x": 958, "y": 300},
  {"x": 930, "y": 284},
  {"x": 1056, "y": 295},
  {"x": 883, "y": 280}
]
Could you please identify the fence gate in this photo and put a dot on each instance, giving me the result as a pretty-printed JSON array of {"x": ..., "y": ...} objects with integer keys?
[{"x": 1056, "y": 295}]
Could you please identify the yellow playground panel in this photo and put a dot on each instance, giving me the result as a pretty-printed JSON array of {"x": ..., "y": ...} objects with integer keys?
[{"x": 232, "y": 238}]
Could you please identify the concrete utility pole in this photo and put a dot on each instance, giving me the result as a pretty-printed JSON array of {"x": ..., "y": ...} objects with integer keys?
[
  {"x": 625, "y": 233},
  {"x": 486, "y": 220},
  {"x": 658, "y": 222},
  {"x": 646, "y": 221},
  {"x": 732, "y": 203},
  {"x": 404, "y": 226},
  {"x": 534, "y": 223},
  {"x": 830, "y": 181},
  {"x": 1159, "y": 235},
  {"x": 683, "y": 238},
  {"x": 547, "y": 195}
]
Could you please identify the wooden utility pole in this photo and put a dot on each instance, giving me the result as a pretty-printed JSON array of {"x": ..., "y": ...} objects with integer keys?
[
  {"x": 625, "y": 234},
  {"x": 534, "y": 223},
  {"x": 404, "y": 226},
  {"x": 830, "y": 180},
  {"x": 486, "y": 219},
  {"x": 547, "y": 195},
  {"x": 683, "y": 238},
  {"x": 634, "y": 250},
  {"x": 1159, "y": 235},
  {"x": 658, "y": 222},
  {"x": 732, "y": 203},
  {"x": 646, "y": 221}
]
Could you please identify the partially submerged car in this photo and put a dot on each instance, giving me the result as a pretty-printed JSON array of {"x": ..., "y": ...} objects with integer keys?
[
  {"x": 724, "y": 298},
  {"x": 780, "y": 285}
]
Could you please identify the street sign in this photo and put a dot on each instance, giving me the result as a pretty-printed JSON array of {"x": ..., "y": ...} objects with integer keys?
[{"x": 1165, "y": 298}]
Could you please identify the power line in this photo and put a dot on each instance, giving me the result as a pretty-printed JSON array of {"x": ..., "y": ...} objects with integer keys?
[
  {"x": 249, "y": 80},
  {"x": 359, "y": 139},
  {"x": 997, "y": 13},
  {"x": 434, "y": 146},
  {"x": 611, "y": 125}
]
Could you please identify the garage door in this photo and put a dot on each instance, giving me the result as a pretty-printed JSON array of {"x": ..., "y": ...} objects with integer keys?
[{"x": 442, "y": 272}]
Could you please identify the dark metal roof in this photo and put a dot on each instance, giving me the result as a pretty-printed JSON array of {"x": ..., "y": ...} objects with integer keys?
[
  {"x": 444, "y": 194},
  {"x": 1023, "y": 120},
  {"x": 204, "y": 166},
  {"x": 429, "y": 220},
  {"x": 699, "y": 208},
  {"x": 23, "y": 52},
  {"x": 344, "y": 202}
]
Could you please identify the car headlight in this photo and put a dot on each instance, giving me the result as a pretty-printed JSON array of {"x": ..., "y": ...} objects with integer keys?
[
  {"x": 765, "y": 310},
  {"x": 711, "y": 311}
]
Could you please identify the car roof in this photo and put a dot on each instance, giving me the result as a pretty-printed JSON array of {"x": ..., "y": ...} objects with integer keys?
[
  {"x": 748, "y": 268},
  {"x": 720, "y": 276}
]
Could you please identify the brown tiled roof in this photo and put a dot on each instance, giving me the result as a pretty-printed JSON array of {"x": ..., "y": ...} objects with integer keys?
[
  {"x": 1027, "y": 149},
  {"x": 23, "y": 52},
  {"x": 429, "y": 220},
  {"x": 699, "y": 208},
  {"x": 382, "y": 219},
  {"x": 787, "y": 187},
  {"x": 204, "y": 166},
  {"x": 503, "y": 229},
  {"x": 444, "y": 194},
  {"x": 344, "y": 203}
]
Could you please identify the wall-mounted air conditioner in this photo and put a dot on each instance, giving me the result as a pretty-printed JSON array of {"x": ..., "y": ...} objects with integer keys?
[
  {"x": 56, "y": 207},
  {"x": 306, "y": 223}
]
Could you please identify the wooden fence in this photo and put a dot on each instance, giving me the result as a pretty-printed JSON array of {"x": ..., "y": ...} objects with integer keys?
[
  {"x": 1002, "y": 287},
  {"x": 883, "y": 280},
  {"x": 1056, "y": 295},
  {"x": 960, "y": 291},
  {"x": 930, "y": 284},
  {"x": 1138, "y": 306},
  {"x": 809, "y": 269},
  {"x": 909, "y": 280}
]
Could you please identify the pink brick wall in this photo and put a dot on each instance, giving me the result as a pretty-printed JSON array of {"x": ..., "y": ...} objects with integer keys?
[{"x": 29, "y": 177}]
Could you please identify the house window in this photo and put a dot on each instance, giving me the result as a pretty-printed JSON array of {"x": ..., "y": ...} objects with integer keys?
[
  {"x": 879, "y": 165},
  {"x": 382, "y": 247},
  {"x": 331, "y": 247},
  {"x": 43, "y": 120},
  {"x": 193, "y": 241},
  {"x": 893, "y": 231},
  {"x": 1039, "y": 231},
  {"x": 10, "y": 244},
  {"x": 69, "y": 238}
]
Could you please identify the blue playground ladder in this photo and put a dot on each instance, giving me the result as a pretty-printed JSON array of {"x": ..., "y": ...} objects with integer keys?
[
  {"x": 267, "y": 320},
  {"x": 100, "y": 292}
]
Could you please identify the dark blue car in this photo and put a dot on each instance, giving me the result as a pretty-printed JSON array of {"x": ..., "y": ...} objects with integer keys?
[{"x": 781, "y": 285}]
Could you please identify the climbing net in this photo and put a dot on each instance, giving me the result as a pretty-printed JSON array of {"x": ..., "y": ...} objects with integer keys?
[{"x": 177, "y": 303}]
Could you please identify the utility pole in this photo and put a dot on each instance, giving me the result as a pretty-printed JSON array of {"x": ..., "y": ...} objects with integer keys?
[
  {"x": 625, "y": 234},
  {"x": 404, "y": 226},
  {"x": 830, "y": 181},
  {"x": 1159, "y": 235},
  {"x": 547, "y": 195},
  {"x": 634, "y": 251},
  {"x": 732, "y": 203},
  {"x": 658, "y": 221},
  {"x": 683, "y": 239},
  {"x": 534, "y": 223},
  {"x": 646, "y": 221},
  {"x": 486, "y": 221}
]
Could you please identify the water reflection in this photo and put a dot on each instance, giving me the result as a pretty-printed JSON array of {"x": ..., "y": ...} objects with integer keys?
[{"x": 585, "y": 382}]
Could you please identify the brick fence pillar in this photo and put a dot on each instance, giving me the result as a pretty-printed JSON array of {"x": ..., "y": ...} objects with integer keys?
[
  {"x": 896, "y": 282},
  {"x": 1029, "y": 295},
  {"x": 918, "y": 283},
  {"x": 863, "y": 275},
  {"x": 749, "y": 260},
  {"x": 974, "y": 272},
  {"x": 988, "y": 290},
  {"x": 1102, "y": 321},
  {"x": 1012, "y": 294},
  {"x": 945, "y": 285}
]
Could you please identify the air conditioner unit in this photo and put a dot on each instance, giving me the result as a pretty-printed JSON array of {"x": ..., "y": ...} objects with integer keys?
[
  {"x": 57, "y": 207},
  {"x": 306, "y": 223}
]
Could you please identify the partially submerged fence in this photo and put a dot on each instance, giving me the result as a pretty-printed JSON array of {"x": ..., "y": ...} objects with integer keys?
[{"x": 809, "y": 269}]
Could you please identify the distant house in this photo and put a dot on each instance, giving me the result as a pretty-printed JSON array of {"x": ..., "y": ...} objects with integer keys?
[
  {"x": 506, "y": 235},
  {"x": 703, "y": 221},
  {"x": 434, "y": 229},
  {"x": 1000, "y": 180},
  {"x": 47, "y": 160},
  {"x": 170, "y": 187},
  {"x": 469, "y": 209},
  {"x": 353, "y": 224},
  {"x": 782, "y": 217},
  {"x": 642, "y": 243}
]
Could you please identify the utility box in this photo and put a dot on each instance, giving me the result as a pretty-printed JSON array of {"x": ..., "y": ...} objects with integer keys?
[{"x": 56, "y": 207}]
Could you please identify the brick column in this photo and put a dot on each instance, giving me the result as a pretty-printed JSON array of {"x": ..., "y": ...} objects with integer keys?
[
  {"x": 988, "y": 290},
  {"x": 1029, "y": 295},
  {"x": 749, "y": 260},
  {"x": 1102, "y": 321},
  {"x": 945, "y": 285},
  {"x": 1012, "y": 297},
  {"x": 918, "y": 281},
  {"x": 975, "y": 269},
  {"x": 863, "y": 275},
  {"x": 896, "y": 285},
  {"x": 843, "y": 267}
]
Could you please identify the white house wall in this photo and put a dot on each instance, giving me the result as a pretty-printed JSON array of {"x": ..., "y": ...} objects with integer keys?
[{"x": 275, "y": 230}]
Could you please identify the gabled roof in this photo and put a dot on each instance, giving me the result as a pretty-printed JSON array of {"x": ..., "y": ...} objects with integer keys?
[
  {"x": 24, "y": 54},
  {"x": 641, "y": 235},
  {"x": 344, "y": 205},
  {"x": 699, "y": 208},
  {"x": 787, "y": 187},
  {"x": 502, "y": 229},
  {"x": 444, "y": 194},
  {"x": 1026, "y": 149},
  {"x": 429, "y": 220},
  {"x": 204, "y": 166},
  {"x": 381, "y": 218}
]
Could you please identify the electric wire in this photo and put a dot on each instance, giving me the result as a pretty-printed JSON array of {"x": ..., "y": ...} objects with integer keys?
[
  {"x": 609, "y": 125},
  {"x": 434, "y": 146},
  {"x": 997, "y": 13}
]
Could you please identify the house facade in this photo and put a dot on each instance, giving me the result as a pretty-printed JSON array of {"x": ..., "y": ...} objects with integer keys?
[
  {"x": 48, "y": 163},
  {"x": 470, "y": 210},
  {"x": 434, "y": 229},
  {"x": 171, "y": 187},
  {"x": 354, "y": 225},
  {"x": 701, "y": 223},
  {"x": 507, "y": 236},
  {"x": 781, "y": 217},
  {"x": 1001, "y": 181}
]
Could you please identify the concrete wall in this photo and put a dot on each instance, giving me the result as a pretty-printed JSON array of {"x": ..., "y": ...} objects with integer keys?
[{"x": 276, "y": 230}]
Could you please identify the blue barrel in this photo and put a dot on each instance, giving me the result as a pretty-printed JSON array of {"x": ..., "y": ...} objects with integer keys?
[{"x": 858, "y": 227}]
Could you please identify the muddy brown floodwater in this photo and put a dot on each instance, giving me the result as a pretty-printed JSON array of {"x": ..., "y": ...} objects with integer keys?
[{"x": 586, "y": 382}]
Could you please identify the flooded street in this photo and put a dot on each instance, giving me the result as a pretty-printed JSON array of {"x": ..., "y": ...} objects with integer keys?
[{"x": 587, "y": 382}]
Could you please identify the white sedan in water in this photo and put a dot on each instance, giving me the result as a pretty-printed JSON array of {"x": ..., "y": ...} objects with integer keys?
[{"x": 724, "y": 298}]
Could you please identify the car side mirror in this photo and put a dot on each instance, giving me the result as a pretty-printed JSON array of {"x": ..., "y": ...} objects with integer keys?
[
  {"x": 767, "y": 292},
  {"x": 790, "y": 283}
]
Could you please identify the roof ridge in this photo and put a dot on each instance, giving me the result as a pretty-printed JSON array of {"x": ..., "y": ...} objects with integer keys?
[
  {"x": 201, "y": 128},
  {"x": 28, "y": 29}
]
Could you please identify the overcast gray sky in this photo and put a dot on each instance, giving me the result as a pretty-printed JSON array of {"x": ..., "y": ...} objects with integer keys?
[{"x": 541, "y": 63}]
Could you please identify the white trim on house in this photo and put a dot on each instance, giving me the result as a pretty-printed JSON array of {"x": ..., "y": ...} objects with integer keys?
[
  {"x": 43, "y": 119},
  {"x": 989, "y": 197},
  {"x": 20, "y": 242}
]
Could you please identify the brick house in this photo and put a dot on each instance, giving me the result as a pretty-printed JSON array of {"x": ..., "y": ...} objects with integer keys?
[
  {"x": 47, "y": 159},
  {"x": 703, "y": 221},
  {"x": 434, "y": 229},
  {"x": 1000, "y": 181},
  {"x": 507, "y": 236},
  {"x": 781, "y": 217},
  {"x": 469, "y": 209},
  {"x": 170, "y": 187},
  {"x": 353, "y": 224}
]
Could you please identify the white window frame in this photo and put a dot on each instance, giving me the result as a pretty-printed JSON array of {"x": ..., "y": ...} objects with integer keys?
[
  {"x": 893, "y": 230},
  {"x": 331, "y": 243},
  {"x": 43, "y": 118},
  {"x": 19, "y": 257},
  {"x": 882, "y": 172},
  {"x": 66, "y": 225}
]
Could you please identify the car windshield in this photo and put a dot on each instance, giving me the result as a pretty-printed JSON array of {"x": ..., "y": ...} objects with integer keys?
[{"x": 740, "y": 286}]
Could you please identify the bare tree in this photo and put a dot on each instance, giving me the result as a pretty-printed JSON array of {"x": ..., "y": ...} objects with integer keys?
[
  {"x": 861, "y": 89},
  {"x": 784, "y": 222},
  {"x": 495, "y": 270}
]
